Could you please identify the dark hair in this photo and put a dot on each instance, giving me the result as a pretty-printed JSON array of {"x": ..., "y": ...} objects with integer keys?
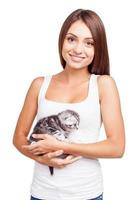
[{"x": 100, "y": 63}]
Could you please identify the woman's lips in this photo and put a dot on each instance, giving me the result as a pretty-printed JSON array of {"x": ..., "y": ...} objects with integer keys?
[{"x": 76, "y": 58}]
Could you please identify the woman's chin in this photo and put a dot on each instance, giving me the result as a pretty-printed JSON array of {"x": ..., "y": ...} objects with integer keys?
[{"x": 76, "y": 66}]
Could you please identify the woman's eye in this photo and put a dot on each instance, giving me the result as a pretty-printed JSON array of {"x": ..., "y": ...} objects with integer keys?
[
  {"x": 89, "y": 44},
  {"x": 70, "y": 39}
]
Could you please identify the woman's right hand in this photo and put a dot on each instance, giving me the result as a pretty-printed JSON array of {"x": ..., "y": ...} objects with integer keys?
[{"x": 52, "y": 160}]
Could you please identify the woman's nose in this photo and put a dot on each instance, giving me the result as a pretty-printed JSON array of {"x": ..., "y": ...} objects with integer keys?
[{"x": 78, "y": 48}]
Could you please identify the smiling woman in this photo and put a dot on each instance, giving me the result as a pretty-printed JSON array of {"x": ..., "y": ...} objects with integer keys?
[
  {"x": 70, "y": 107},
  {"x": 92, "y": 34},
  {"x": 78, "y": 46}
]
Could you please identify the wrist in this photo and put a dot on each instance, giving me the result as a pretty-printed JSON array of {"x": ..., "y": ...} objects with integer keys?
[{"x": 65, "y": 146}]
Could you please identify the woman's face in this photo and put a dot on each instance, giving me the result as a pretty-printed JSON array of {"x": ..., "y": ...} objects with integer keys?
[{"x": 78, "y": 46}]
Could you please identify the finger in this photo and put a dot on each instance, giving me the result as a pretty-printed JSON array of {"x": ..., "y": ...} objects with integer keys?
[
  {"x": 39, "y": 136},
  {"x": 34, "y": 151},
  {"x": 74, "y": 159},
  {"x": 58, "y": 153},
  {"x": 38, "y": 153},
  {"x": 30, "y": 147},
  {"x": 38, "y": 150},
  {"x": 69, "y": 157},
  {"x": 55, "y": 154}
]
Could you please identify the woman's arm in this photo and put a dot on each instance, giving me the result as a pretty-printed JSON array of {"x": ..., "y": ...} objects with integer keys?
[
  {"x": 26, "y": 117},
  {"x": 23, "y": 127},
  {"x": 114, "y": 144}
]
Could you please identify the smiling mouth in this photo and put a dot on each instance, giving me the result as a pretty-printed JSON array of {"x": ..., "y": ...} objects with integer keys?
[{"x": 76, "y": 58}]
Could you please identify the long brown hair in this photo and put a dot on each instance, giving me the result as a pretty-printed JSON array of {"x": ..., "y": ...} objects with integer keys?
[{"x": 100, "y": 63}]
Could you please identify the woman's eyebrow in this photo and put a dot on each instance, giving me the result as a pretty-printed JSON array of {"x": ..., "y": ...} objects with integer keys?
[{"x": 77, "y": 36}]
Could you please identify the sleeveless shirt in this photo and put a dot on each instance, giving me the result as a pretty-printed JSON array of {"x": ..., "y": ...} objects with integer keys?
[{"x": 82, "y": 179}]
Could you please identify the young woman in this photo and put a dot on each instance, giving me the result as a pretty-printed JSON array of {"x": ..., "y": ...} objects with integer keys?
[{"x": 84, "y": 88}]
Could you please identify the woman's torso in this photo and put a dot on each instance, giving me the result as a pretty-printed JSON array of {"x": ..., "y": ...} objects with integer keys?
[{"x": 82, "y": 179}]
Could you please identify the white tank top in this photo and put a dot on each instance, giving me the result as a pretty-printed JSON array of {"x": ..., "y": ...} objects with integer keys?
[{"x": 82, "y": 179}]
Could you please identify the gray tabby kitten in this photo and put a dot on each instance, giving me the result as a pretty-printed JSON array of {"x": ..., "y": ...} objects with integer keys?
[{"x": 59, "y": 126}]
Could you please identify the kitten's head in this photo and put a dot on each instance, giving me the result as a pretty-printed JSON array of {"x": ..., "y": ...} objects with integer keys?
[{"x": 69, "y": 120}]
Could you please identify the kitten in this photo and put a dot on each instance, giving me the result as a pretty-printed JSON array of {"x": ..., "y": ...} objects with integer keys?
[{"x": 59, "y": 126}]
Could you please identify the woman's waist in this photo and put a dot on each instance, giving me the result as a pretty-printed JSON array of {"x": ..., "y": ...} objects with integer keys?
[
  {"x": 84, "y": 177},
  {"x": 84, "y": 168}
]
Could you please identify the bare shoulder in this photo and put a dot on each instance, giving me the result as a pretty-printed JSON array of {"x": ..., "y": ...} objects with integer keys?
[
  {"x": 106, "y": 85},
  {"x": 104, "y": 80},
  {"x": 35, "y": 86},
  {"x": 37, "y": 82}
]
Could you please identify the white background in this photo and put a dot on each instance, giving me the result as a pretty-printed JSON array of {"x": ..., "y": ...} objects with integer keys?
[{"x": 29, "y": 48}]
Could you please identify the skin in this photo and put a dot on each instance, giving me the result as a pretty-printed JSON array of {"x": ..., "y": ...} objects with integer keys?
[{"x": 78, "y": 51}]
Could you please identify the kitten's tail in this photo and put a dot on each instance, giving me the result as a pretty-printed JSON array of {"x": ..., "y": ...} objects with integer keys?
[{"x": 51, "y": 169}]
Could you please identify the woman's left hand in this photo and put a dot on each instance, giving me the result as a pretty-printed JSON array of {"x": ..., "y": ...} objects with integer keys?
[{"x": 47, "y": 143}]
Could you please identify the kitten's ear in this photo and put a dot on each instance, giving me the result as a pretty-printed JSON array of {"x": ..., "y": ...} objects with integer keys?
[{"x": 52, "y": 120}]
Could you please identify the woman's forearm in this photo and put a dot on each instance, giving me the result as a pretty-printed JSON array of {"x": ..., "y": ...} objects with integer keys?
[
  {"x": 19, "y": 140},
  {"x": 102, "y": 149},
  {"x": 49, "y": 159},
  {"x": 109, "y": 148}
]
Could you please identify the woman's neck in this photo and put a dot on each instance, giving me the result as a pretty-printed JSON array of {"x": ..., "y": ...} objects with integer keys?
[{"x": 70, "y": 75}]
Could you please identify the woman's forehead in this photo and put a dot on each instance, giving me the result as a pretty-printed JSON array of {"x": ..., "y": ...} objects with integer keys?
[{"x": 80, "y": 29}]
